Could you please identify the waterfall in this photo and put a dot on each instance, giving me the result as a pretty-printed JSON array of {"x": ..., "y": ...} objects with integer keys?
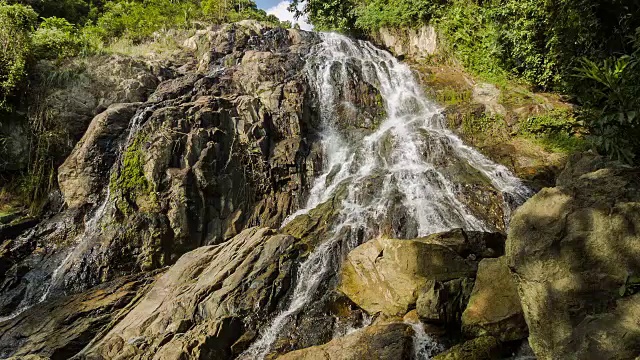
[
  {"x": 78, "y": 250},
  {"x": 402, "y": 160}
]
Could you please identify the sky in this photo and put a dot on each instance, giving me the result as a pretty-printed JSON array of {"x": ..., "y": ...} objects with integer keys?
[{"x": 279, "y": 9}]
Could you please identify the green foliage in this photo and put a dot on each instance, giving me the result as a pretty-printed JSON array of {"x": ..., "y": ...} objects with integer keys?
[
  {"x": 229, "y": 11},
  {"x": 611, "y": 105},
  {"x": 328, "y": 15},
  {"x": 555, "y": 121},
  {"x": 473, "y": 36},
  {"x": 139, "y": 20},
  {"x": 75, "y": 11},
  {"x": 557, "y": 131},
  {"x": 394, "y": 13},
  {"x": 16, "y": 24},
  {"x": 56, "y": 38}
]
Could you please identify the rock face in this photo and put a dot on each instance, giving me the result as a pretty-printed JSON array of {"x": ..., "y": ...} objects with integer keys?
[
  {"x": 224, "y": 144},
  {"x": 209, "y": 303},
  {"x": 442, "y": 302},
  {"x": 90, "y": 87},
  {"x": 82, "y": 175},
  {"x": 181, "y": 155},
  {"x": 574, "y": 250},
  {"x": 415, "y": 43},
  {"x": 494, "y": 307},
  {"x": 489, "y": 96},
  {"x": 59, "y": 329},
  {"x": 386, "y": 342},
  {"x": 388, "y": 276}
]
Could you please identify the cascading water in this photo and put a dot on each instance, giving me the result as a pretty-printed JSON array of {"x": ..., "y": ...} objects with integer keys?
[
  {"x": 402, "y": 159},
  {"x": 78, "y": 250}
]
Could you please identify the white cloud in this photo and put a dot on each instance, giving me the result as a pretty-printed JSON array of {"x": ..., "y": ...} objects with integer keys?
[{"x": 282, "y": 12}]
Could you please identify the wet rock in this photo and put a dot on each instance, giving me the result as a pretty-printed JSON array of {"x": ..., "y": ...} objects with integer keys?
[
  {"x": 443, "y": 302},
  {"x": 212, "y": 298},
  {"x": 60, "y": 329},
  {"x": 494, "y": 308},
  {"x": 386, "y": 276},
  {"x": 81, "y": 176},
  {"x": 393, "y": 342},
  {"x": 482, "y": 348},
  {"x": 574, "y": 250}
]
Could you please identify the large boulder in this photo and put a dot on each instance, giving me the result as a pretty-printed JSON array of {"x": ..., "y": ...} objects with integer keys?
[
  {"x": 387, "y": 275},
  {"x": 385, "y": 342},
  {"x": 209, "y": 304},
  {"x": 494, "y": 307},
  {"x": 574, "y": 250},
  {"x": 482, "y": 348},
  {"x": 81, "y": 176},
  {"x": 81, "y": 89}
]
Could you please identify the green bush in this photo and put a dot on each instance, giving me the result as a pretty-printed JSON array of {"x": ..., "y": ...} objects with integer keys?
[
  {"x": 56, "y": 38},
  {"x": 470, "y": 32},
  {"x": 75, "y": 11},
  {"x": 219, "y": 11},
  {"x": 139, "y": 20},
  {"x": 16, "y": 24},
  {"x": 611, "y": 105},
  {"x": 394, "y": 13},
  {"x": 557, "y": 131},
  {"x": 328, "y": 15}
]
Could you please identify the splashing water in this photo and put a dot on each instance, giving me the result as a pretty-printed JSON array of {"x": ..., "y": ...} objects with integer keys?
[
  {"x": 397, "y": 166},
  {"x": 424, "y": 346}
]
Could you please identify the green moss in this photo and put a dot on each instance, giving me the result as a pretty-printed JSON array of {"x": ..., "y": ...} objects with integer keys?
[
  {"x": 451, "y": 96},
  {"x": 130, "y": 182},
  {"x": 483, "y": 125}
]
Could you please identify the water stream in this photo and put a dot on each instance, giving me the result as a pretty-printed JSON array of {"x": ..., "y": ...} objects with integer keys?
[
  {"x": 77, "y": 252},
  {"x": 397, "y": 166}
]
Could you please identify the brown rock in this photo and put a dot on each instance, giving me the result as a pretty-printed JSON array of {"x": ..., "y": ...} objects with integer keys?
[
  {"x": 385, "y": 342},
  {"x": 201, "y": 305},
  {"x": 81, "y": 176},
  {"x": 386, "y": 276},
  {"x": 482, "y": 348},
  {"x": 574, "y": 250},
  {"x": 494, "y": 307}
]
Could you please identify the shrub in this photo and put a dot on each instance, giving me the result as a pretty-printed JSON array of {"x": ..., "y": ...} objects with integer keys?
[
  {"x": 394, "y": 13},
  {"x": 56, "y": 38},
  {"x": 74, "y": 11},
  {"x": 611, "y": 105},
  {"x": 139, "y": 20},
  {"x": 220, "y": 11},
  {"x": 328, "y": 15},
  {"x": 16, "y": 24},
  {"x": 471, "y": 33}
]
